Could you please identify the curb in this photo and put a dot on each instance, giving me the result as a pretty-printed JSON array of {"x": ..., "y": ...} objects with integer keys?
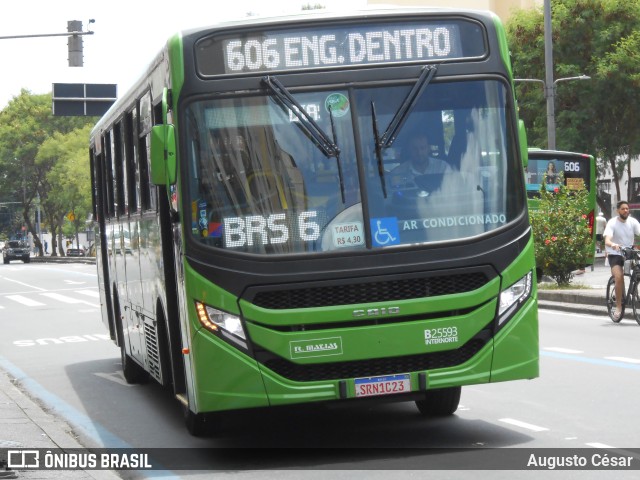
[
  {"x": 47, "y": 259},
  {"x": 595, "y": 310},
  {"x": 26, "y": 424},
  {"x": 586, "y": 301},
  {"x": 587, "y": 296}
]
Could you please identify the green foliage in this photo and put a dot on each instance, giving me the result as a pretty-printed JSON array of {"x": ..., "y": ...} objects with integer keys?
[
  {"x": 598, "y": 38},
  {"x": 561, "y": 232},
  {"x": 26, "y": 127},
  {"x": 67, "y": 182}
]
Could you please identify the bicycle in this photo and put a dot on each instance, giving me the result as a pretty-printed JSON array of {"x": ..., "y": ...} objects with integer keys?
[{"x": 631, "y": 270}]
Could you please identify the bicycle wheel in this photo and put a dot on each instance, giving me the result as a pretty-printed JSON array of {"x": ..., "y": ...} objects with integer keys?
[
  {"x": 611, "y": 300},
  {"x": 635, "y": 299}
]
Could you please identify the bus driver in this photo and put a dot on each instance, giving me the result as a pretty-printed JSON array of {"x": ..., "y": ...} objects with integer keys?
[{"x": 421, "y": 162}]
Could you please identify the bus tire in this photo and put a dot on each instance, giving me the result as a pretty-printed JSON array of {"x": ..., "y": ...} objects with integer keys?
[
  {"x": 131, "y": 371},
  {"x": 196, "y": 423},
  {"x": 440, "y": 403}
]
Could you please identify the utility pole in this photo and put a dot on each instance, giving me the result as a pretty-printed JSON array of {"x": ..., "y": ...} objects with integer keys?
[
  {"x": 75, "y": 44},
  {"x": 549, "y": 86}
]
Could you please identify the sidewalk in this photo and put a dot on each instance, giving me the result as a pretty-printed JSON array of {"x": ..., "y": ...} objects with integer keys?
[
  {"x": 25, "y": 425},
  {"x": 588, "y": 298}
]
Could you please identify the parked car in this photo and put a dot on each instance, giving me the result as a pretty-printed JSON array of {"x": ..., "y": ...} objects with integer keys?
[
  {"x": 16, "y": 250},
  {"x": 75, "y": 252}
]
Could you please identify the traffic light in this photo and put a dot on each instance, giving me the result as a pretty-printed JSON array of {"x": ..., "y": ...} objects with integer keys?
[{"x": 75, "y": 43}]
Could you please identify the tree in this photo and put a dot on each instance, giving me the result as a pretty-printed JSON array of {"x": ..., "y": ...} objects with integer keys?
[
  {"x": 67, "y": 183},
  {"x": 594, "y": 37},
  {"x": 25, "y": 124}
]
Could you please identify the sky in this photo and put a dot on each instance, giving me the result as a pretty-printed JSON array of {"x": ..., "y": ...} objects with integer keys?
[{"x": 127, "y": 35}]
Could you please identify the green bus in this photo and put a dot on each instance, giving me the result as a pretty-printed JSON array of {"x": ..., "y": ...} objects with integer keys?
[
  {"x": 264, "y": 241},
  {"x": 576, "y": 171}
]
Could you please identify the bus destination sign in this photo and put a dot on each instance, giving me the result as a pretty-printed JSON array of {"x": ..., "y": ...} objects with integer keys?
[{"x": 345, "y": 46}]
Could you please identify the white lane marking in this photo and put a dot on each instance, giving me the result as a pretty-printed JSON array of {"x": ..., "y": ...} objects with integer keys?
[
  {"x": 65, "y": 299},
  {"x": 599, "y": 445},
  {"x": 28, "y": 302},
  {"x": 24, "y": 284},
  {"x": 528, "y": 426},
  {"x": 89, "y": 293},
  {"x": 624, "y": 359},
  {"x": 562, "y": 350}
]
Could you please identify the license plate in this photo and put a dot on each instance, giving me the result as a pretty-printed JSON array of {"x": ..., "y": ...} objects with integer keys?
[{"x": 385, "y": 385}]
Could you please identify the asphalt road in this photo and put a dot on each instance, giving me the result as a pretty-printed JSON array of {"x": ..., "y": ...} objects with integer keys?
[{"x": 590, "y": 372}]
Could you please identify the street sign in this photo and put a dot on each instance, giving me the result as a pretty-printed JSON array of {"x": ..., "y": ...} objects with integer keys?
[{"x": 83, "y": 99}]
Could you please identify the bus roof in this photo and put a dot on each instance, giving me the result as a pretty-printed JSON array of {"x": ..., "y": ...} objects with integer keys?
[
  {"x": 550, "y": 153},
  {"x": 371, "y": 11}
]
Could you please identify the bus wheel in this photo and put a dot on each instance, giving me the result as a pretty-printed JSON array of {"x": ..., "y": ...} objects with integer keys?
[
  {"x": 132, "y": 372},
  {"x": 440, "y": 403},
  {"x": 196, "y": 423}
]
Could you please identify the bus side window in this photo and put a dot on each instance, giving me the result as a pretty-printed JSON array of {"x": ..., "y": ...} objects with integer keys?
[
  {"x": 122, "y": 202},
  {"x": 133, "y": 187},
  {"x": 144, "y": 128},
  {"x": 109, "y": 177},
  {"x": 100, "y": 197}
]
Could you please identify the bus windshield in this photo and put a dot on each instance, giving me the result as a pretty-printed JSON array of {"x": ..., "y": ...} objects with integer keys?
[{"x": 260, "y": 183}]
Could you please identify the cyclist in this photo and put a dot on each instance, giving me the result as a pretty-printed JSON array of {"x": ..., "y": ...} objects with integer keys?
[{"x": 619, "y": 233}]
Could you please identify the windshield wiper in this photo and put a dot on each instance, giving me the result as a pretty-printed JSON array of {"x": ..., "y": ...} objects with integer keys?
[
  {"x": 335, "y": 139},
  {"x": 374, "y": 125},
  {"x": 391, "y": 133},
  {"x": 309, "y": 125}
]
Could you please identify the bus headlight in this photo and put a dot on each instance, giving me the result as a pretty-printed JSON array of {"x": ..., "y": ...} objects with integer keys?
[
  {"x": 220, "y": 322},
  {"x": 512, "y": 297}
]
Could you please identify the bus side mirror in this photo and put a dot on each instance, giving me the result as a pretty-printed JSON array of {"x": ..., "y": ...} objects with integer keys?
[
  {"x": 522, "y": 134},
  {"x": 163, "y": 155}
]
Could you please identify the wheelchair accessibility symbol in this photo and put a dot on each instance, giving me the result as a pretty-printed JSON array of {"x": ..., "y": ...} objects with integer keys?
[{"x": 385, "y": 231}]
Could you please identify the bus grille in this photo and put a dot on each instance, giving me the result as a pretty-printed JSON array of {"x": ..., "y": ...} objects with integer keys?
[
  {"x": 378, "y": 366},
  {"x": 153, "y": 357},
  {"x": 367, "y": 292}
]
